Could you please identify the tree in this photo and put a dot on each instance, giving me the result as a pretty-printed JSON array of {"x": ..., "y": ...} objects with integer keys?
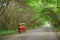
[
  {"x": 49, "y": 6},
  {"x": 3, "y": 6}
]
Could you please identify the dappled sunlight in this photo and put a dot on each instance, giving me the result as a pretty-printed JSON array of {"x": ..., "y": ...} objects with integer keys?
[{"x": 47, "y": 24}]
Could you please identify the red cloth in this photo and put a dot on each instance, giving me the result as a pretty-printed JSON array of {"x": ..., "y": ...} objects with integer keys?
[{"x": 21, "y": 28}]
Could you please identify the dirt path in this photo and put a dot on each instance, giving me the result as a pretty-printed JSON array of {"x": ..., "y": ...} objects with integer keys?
[{"x": 43, "y": 33}]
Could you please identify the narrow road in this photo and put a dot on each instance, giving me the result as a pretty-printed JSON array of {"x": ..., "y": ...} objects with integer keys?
[{"x": 43, "y": 33}]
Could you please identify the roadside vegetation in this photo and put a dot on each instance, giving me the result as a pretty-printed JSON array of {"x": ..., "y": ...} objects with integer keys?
[{"x": 32, "y": 12}]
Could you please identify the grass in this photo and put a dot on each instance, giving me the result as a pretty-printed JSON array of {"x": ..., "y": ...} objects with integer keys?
[
  {"x": 7, "y": 32},
  {"x": 57, "y": 29},
  {"x": 30, "y": 28},
  {"x": 2, "y": 33}
]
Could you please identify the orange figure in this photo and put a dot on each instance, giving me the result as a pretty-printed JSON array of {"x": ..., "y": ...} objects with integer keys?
[
  {"x": 23, "y": 27},
  {"x": 19, "y": 27}
]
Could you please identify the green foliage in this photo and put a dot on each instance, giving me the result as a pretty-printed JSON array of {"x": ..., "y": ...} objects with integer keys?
[
  {"x": 58, "y": 13},
  {"x": 32, "y": 12},
  {"x": 42, "y": 9},
  {"x": 4, "y": 32},
  {"x": 58, "y": 3}
]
